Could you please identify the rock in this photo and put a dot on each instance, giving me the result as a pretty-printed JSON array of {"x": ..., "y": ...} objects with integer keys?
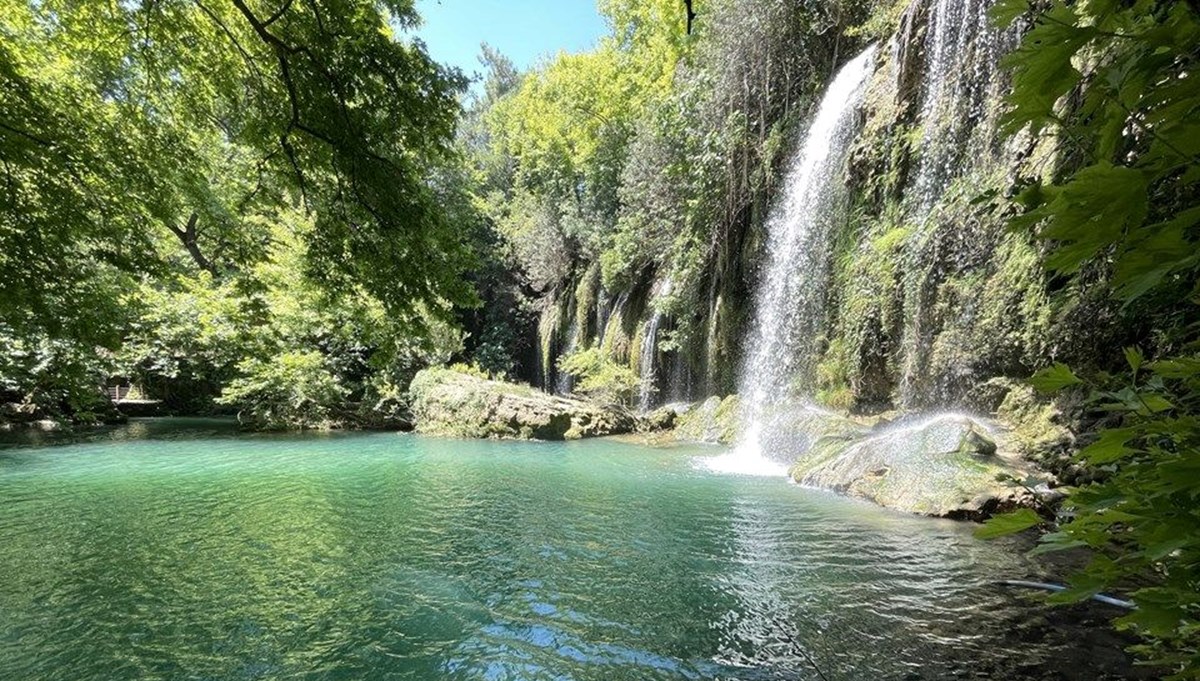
[
  {"x": 944, "y": 466},
  {"x": 139, "y": 408},
  {"x": 713, "y": 420},
  {"x": 47, "y": 425},
  {"x": 663, "y": 418},
  {"x": 450, "y": 403},
  {"x": 986, "y": 397},
  {"x": 1038, "y": 432}
]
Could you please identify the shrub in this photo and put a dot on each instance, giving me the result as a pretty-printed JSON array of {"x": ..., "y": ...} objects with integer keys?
[{"x": 289, "y": 390}]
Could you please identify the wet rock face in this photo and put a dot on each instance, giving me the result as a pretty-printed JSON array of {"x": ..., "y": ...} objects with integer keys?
[
  {"x": 713, "y": 420},
  {"x": 449, "y": 403},
  {"x": 944, "y": 466}
]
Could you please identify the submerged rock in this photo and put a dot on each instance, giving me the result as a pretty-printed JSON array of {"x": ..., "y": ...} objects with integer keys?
[
  {"x": 451, "y": 403},
  {"x": 944, "y": 466}
]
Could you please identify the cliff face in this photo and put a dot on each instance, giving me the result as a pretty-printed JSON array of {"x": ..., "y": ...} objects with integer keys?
[{"x": 928, "y": 296}]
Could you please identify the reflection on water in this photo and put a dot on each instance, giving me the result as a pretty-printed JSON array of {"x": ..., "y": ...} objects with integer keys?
[{"x": 200, "y": 555}]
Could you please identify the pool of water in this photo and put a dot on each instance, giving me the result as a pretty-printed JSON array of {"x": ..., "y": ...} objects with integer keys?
[{"x": 183, "y": 550}]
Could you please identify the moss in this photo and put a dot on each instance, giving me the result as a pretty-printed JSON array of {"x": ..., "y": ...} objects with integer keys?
[
  {"x": 1037, "y": 428},
  {"x": 713, "y": 420},
  {"x": 833, "y": 377},
  {"x": 454, "y": 404},
  {"x": 616, "y": 342},
  {"x": 635, "y": 348},
  {"x": 585, "y": 303}
]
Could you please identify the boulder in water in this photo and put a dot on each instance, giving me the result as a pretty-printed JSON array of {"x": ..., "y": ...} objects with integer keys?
[
  {"x": 713, "y": 420},
  {"x": 456, "y": 404},
  {"x": 947, "y": 465}
]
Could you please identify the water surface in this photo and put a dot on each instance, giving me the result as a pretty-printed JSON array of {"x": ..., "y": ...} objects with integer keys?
[{"x": 159, "y": 551}]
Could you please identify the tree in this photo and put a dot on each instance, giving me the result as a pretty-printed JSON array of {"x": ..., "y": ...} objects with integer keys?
[
  {"x": 121, "y": 121},
  {"x": 1115, "y": 83}
]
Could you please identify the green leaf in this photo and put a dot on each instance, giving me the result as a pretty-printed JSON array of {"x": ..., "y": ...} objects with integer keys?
[
  {"x": 1004, "y": 12},
  {"x": 1111, "y": 446},
  {"x": 1160, "y": 611},
  {"x": 1180, "y": 367},
  {"x": 1093, "y": 211},
  {"x": 1042, "y": 69},
  {"x": 1155, "y": 403},
  {"x": 1054, "y": 378},
  {"x": 1008, "y": 523},
  {"x": 1135, "y": 358}
]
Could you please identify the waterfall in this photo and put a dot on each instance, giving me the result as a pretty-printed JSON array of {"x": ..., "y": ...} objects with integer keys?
[
  {"x": 791, "y": 291},
  {"x": 648, "y": 356},
  {"x": 646, "y": 369},
  {"x": 960, "y": 79},
  {"x": 959, "y": 74},
  {"x": 565, "y": 383}
]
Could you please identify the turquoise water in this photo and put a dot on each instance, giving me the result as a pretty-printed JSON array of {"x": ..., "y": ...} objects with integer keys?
[{"x": 180, "y": 550}]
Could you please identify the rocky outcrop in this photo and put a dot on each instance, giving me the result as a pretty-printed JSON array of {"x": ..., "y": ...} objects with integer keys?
[
  {"x": 947, "y": 465},
  {"x": 452, "y": 403},
  {"x": 714, "y": 420}
]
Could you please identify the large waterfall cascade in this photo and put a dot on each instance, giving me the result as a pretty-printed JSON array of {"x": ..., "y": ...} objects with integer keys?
[{"x": 791, "y": 292}]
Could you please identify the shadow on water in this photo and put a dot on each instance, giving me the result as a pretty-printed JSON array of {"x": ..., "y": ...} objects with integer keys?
[{"x": 163, "y": 428}]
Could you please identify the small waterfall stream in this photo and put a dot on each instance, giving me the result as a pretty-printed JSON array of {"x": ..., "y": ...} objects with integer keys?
[
  {"x": 648, "y": 356},
  {"x": 565, "y": 383},
  {"x": 959, "y": 76},
  {"x": 791, "y": 292},
  {"x": 646, "y": 363}
]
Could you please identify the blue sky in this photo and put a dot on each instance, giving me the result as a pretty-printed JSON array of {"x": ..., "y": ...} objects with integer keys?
[{"x": 523, "y": 30}]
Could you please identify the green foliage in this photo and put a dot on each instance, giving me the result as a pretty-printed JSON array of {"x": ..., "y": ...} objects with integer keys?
[
  {"x": 1008, "y": 523},
  {"x": 1054, "y": 378},
  {"x": 196, "y": 334},
  {"x": 291, "y": 390},
  {"x": 1116, "y": 82},
  {"x": 601, "y": 378},
  {"x": 42, "y": 376},
  {"x": 151, "y": 151}
]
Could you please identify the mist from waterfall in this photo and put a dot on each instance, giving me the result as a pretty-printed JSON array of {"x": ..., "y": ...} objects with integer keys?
[{"x": 791, "y": 292}]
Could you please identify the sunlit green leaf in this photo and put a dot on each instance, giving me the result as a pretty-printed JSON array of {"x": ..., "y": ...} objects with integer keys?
[
  {"x": 1008, "y": 523},
  {"x": 1111, "y": 446},
  {"x": 1054, "y": 378}
]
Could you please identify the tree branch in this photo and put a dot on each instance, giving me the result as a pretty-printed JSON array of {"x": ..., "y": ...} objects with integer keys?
[{"x": 187, "y": 236}]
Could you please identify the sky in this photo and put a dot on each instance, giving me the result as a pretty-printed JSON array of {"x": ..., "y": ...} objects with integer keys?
[{"x": 522, "y": 30}]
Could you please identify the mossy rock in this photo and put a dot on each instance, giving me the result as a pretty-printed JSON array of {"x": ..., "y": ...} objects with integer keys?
[
  {"x": 449, "y": 403},
  {"x": 1038, "y": 430},
  {"x": 663, "y": 418},
  {"x": 713, "y": 420},
  {"x": 944, "y": 466}
]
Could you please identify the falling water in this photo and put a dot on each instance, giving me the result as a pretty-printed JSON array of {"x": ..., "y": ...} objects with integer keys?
[
  {"x": 960, "y": 78},
  {"x": 647, "y": 360},
  {"x": 565, "y": 383},
  {"x": 646, "y": 363},
  {"x": 962, "y": 48},
  {"x": 791, "y": 293}
]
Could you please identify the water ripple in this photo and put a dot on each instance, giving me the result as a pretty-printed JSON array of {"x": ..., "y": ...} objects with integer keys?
[{"x": 197, "y": 554}]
